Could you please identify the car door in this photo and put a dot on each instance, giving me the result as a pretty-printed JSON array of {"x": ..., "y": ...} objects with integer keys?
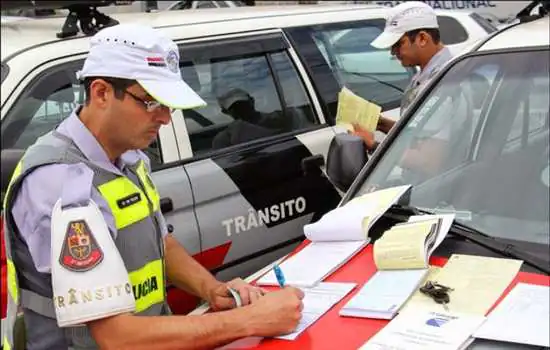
[
  {"x": 251, "y": 196},
  {"x": 51, "y": 96}
]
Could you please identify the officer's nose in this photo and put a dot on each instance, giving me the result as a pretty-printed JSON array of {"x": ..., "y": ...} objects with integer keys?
[{"x": 164, "y": 115}]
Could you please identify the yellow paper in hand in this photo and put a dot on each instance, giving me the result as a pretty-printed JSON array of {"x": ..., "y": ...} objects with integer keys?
[{"x": 353, "y": 109}]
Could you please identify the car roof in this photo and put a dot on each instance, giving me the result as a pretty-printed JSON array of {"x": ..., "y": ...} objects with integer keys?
[
  {"x": 530, "y": 34},
  {"x": 23, "y": 34},
  {"x": 19, "y": 35}
]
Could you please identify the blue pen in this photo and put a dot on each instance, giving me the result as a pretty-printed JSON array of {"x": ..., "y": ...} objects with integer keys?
[{"x": 279, "y": 274}]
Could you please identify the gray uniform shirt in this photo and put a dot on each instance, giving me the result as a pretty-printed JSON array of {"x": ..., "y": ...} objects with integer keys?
[
  {"x": 420, "y": 79},
  {"x": 40, "y": 190}
]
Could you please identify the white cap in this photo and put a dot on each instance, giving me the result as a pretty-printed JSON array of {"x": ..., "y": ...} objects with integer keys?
[
  {"x": 140, "y": 53},
  {"x": 403, "y": 18}
]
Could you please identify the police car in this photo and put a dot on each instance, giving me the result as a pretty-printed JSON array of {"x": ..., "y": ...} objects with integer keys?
[
  {"x": 239, "y": 206},
  {"x": 488, "y": 111},
  {"x": 493, "y": 173}
]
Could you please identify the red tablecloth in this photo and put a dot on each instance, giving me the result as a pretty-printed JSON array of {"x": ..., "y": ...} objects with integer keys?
[{"x": 335, "y": 332}]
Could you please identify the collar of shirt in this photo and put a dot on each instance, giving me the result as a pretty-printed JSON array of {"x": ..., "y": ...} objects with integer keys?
[
  {"x": 90, "y": 147},
  {"x": 433, "y": 65}
]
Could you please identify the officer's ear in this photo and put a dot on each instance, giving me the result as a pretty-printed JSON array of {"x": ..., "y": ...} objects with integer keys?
[
  {"x": 101, "y": 92},
  {"x": 423, "y": 38}
]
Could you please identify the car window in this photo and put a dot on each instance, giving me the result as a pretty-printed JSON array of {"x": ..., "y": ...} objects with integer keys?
[
  {"x": 243, "y": 100},
  {"x": 345, "y": 49},
  {"x": 531, "y": 116},
  {"x": 205, "y": 4},
  {"x": 452, "y": 32},
  {"x": 221, "y": 4},
  {"x": 44, "y": 104}
]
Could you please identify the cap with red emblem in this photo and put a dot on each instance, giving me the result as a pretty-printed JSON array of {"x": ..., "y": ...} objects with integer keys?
[{"x": 141, "y": 53}]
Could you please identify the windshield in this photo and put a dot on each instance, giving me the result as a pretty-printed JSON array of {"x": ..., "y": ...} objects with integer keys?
[{"x": 478, "y": 144}]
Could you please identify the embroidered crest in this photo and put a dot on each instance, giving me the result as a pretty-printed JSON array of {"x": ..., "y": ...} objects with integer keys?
[
  {"x": 80, "y": 250},
  {"x": 172, "y": 61}
]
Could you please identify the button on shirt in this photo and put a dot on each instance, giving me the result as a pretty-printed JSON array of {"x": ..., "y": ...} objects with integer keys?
[{"x": 42, "y": 188}]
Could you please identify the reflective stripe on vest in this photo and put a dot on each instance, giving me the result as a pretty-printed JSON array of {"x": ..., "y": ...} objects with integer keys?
[
  {"x": 13, "y": 290},
  {"x": 148, "y": 285}
]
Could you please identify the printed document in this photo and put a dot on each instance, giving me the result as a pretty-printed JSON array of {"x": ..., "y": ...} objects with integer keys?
[
  {"x": 523, "y": 316},
  {"x": 335, "y": 238},
  {"x": 313, "y": 263},
  {"x": 352, "y": 221},
  {"x": 353, "y": 109},
  {"x": 317, "y": 301},
  {"x": 384, "y": 293},
  {"x": 406, "y": 246},
  {"x": 426, "y": 330},
  {"x": 477, "y": 282}
]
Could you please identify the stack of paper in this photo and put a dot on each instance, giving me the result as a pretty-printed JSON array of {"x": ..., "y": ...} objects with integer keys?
[
  {"x": 409, "y": 245},
  {"x": 382, "y": 296},
  {"x": 521, "y": 317},
  {"x": 335, "y": 238},
  {"x": 310, "y": 266},
  {"x": 354, "y": 220},
  {"x": 401, "y": 257},
  {"x": 317, "y": 301},
  {"x": 425, "y": 330}
]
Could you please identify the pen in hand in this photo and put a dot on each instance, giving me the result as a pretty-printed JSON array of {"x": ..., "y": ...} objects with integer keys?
[{"x": 280, "y": 276}]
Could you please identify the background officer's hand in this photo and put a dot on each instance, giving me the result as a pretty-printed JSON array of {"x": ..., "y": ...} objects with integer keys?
[
  {"x": 220, "y": 298},
  {"x": 276, "y": 313},
  {"x": 367, "y": 136}
]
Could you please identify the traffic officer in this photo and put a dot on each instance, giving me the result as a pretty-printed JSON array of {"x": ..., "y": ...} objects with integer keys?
[
  {"x": 88, "y": 250},
  {"x": 412, "y": 34}
]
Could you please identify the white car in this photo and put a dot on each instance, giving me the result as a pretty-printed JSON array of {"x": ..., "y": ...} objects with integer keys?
[
  {"x": 239, "y": 206},
  {"x": 202, "y": 4}
]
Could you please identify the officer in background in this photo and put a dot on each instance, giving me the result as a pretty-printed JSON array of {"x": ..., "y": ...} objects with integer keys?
[
  {"x": 88, "y": 250},
  {"x": 412, "y": 34}
]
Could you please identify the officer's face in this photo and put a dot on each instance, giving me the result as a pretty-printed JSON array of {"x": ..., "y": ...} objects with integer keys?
[
  {"x": 407, "y": 50},
  {"x": 135, "y": 121}
]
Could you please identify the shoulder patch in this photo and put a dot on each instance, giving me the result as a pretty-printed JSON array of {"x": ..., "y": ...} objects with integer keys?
[{"x": 80, "y": 250}]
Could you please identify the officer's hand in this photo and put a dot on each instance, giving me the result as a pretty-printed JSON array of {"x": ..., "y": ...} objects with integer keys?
[
  {"x": 276, "y": 313},
  {"x": 367, "y": 136},
  {"x": 221, "y": 299}
]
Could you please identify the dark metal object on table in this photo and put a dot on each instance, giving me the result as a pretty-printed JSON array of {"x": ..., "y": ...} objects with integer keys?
[{"x": 439, "y": 293}]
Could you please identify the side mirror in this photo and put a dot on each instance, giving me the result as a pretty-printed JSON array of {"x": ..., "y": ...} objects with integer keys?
[
  {"x": 9, "y": 160},
  {"x": 347, "y": 154}
]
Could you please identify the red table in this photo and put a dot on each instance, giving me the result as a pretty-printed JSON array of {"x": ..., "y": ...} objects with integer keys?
[{"x": 332, "y": 331}]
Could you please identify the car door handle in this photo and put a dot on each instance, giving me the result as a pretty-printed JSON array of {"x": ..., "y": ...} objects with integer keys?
[
  {"x": 312, "y": 165},
  {"x": 166, "y": 205}
]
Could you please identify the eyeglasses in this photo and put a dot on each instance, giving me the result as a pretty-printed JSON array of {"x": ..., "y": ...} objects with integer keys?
[{"x": 150, "y": 106}]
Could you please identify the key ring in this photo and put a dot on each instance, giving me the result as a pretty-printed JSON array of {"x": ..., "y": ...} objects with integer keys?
[{"x": 438, "y": 292}]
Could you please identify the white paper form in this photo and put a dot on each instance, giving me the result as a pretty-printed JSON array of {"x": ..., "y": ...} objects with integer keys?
[
  {"x": 384, "y": 294},
  {"x": 425, "y": 330},
  {"x": 344, "y": 223},
  {"x": 521, "y": 317},
  {"x": 313, "y": 263},
  {"x": 317, "y": 301}
]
